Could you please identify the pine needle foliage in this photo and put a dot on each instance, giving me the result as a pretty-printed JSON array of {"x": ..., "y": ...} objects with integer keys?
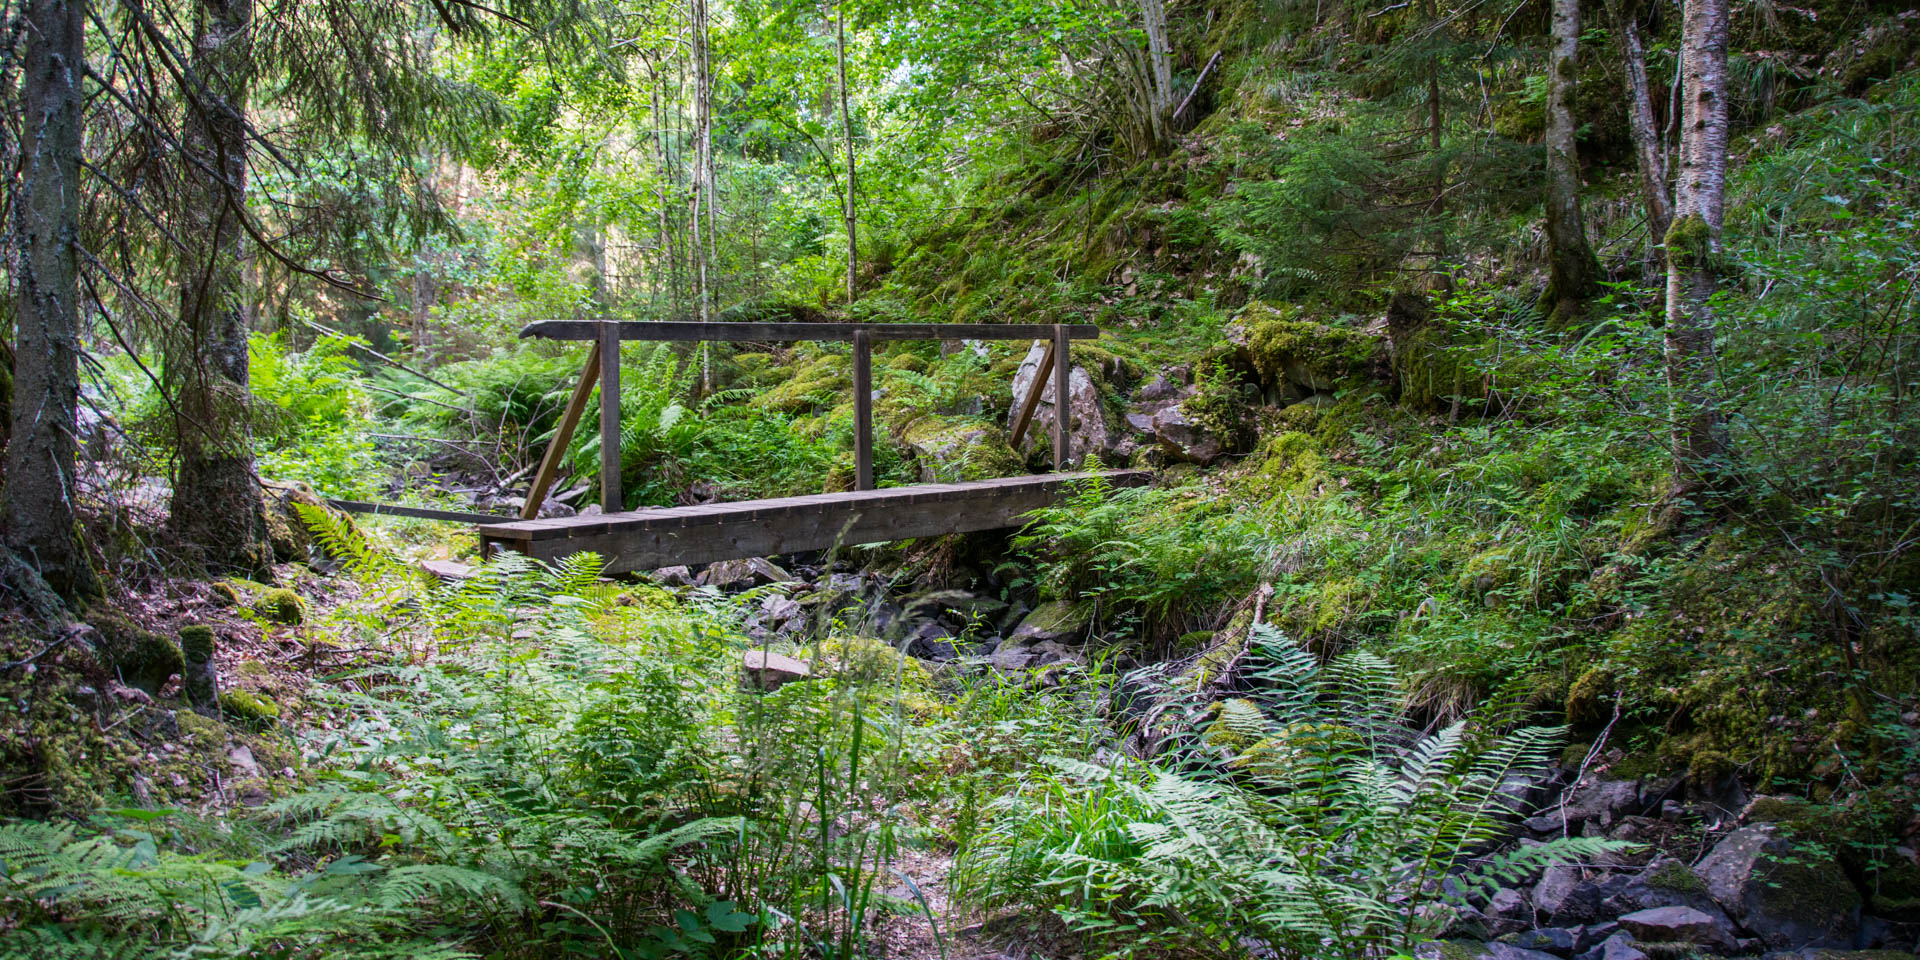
[{"x": 1306, "y": 818}]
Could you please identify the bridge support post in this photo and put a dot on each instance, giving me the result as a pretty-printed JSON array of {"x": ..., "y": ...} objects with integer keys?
[
  {"x": 862, "y": 410},
  {"x": 1062, "y": 407},
  {"x": 611, "y": 500}
]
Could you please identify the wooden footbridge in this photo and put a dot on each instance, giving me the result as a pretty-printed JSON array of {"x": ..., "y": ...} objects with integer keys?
[{"x": 663, "y": 536}]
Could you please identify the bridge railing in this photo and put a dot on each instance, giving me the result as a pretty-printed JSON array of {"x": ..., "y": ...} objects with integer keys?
[{"x": 603, "y": 364}]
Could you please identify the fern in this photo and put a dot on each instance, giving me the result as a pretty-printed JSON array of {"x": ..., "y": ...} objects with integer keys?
[{"x": 1323, "y": 835}]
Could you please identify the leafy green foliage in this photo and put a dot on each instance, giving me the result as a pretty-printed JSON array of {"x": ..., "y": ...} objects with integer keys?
[{"x": 1313, "y": 821}]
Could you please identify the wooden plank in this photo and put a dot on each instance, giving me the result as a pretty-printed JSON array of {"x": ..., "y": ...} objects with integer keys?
[
  {"x": 562, "y": 435},
  {"x": 862, "y": 410},
  {"x": 803, "y": 509},
  {"x": 780, "y": 332},
  {"x": 733, "y": 537},
  {"x": 420, "y": 513},
  {"x": 1062, "y": 404},
  {"x": 1032, "y": 400},
  {"x": 610, "y": 499}
]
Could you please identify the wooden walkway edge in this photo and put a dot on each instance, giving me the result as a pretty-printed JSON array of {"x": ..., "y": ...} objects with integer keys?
[{"x": 665, "y": 536}]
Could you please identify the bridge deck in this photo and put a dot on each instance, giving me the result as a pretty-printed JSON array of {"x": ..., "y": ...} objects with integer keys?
[{"x": 663, "y": 536}]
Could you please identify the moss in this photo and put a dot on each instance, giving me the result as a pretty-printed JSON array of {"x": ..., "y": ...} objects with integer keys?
[
  {"x": 1674, "y": 875},
  {"x": 226, "y": 594},
  {"x": 281, "y": 605},
  {"x": 1590, "y": 698},
  {"x": 1689, "y": 241},
  {"x": 1435, "y": 366},
  {"x": 196, "y": 643},
  {"x": 202, "y": 735},
  {"x": 1312, "y": 355},
  {"x": 1286, "y": 466},
  {"x": 137, "y": 656},
  {"x": 249, "y": 708},
  {"x": 953, "y": 449},
  {"x": 817, "y": 383}
]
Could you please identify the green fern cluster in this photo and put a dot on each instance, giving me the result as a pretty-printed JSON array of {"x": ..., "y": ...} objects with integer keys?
[{"x": 1305, "y": 818}]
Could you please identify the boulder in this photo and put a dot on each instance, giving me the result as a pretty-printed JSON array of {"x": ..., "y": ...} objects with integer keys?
[
  {"x": 1665, "y": 882},
  {"x": 287, "y": 531},
  {"x": 675, "y": 576},
  {"x": 1011, "y": 657},
  {"x": 1469, "y": 950},
  {"x": 1508, "y": 910},
  {"x": 1183, "y": 439},
  {"x": 1680, "y": 925},
  {"x": 948, "y": 450},
  {"x": 1559, "y": 941},
  {"x": 1785, "y": 894},
  {"x": 750, "y": 572},
  {"x": 1620, "y": 946},
  {"x": 1564, "y": 895},
  {"x": 1053, "y": 620},
  {"x": 1087, "y": 429},
  {"x": 763, "y": 670}
]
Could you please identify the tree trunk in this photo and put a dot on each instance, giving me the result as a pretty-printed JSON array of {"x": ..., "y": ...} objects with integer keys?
[
  {"x": 702, "y": 156},
  {"x": 1153, "y": 14},
  {"x": 1574, "y": 273},
  {"x": 43, "y": 451},
  {"x": 217, "y": 505},
  {"x": 846, "y": 129},
  {"x": 1649, "y": 148},
  {"x": 1693, "y": 247}
]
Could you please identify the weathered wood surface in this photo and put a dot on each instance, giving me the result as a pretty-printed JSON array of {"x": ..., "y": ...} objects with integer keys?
[
  {"x": 1062, "y": 403},
  {"x": 610, "y": 450},
  {"x": 648, "y": 539},
  {"x": 781, "y": 332},
  {"x": 562, "y": 435},
  {"x": 1032, "y": 399},
  {"x": 862, "y": 410},
  {"x": 418, "y": 513}
]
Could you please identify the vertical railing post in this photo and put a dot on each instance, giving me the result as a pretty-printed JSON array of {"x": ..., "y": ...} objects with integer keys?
[
  {"x": 1062, "y": 407},
  {"x": 862, "y": 410},
  {"x": 610, "y": 497}
]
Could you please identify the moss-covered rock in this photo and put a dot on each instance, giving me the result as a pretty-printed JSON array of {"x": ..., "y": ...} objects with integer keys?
[
  {"x": 1306, "y": 354},
  {"x": 250, "y": 708},
  {"x": 949, "y": 449},
  {"x": 281, "y": 605},
  {"x": 137, "y": 656},
  {"x": 815, "y": 384},
  {"x": 226, "y": 594},
  {"x": 293, "y": 541}
]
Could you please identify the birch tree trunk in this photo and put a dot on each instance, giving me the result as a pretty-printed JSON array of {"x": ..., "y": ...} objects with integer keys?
[
  {"x": 703, "y": 157},
  {"x": 43, "y": 451},
  {"x": 1693, "y": 246},
  {"x": 1649, "y": 148},
  {"x": 217, "y": 504},
  {"x": 846, "y": 130},
  {"x": 1574, "y": 273},
  {"x": 1153, "y": 14}
]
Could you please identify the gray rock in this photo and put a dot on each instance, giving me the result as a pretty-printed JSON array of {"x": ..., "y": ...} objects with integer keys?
[
  {"x": 1673, "y": 924},
  {"x": 1054, "y": 620},
  {"x": 1011, "y": 657},
  {"x": 1508, "y": 910},
  {"x": 1665, "y": 882},
  {"x": 1559, "y": 941},
  {"x": 1565, "y": 896},
  {"x": 781, "y": 610},
  {"x": 675, "y": 576},
  {"x": 750, "y": 572},
  {"x": 763, "y": 670},
  {"x": 1087, "y": 430},
  {"x": 1620, "y": 946},
  {"x": 1160, "y": 388},
  {"x": 1181, "y": 439},
  {"x": 1601, "y": 801},
  {"x": 1787, "y": 896}
]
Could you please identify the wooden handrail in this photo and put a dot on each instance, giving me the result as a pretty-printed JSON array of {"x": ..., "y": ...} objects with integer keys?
[{"x": 782, "y": 332}]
